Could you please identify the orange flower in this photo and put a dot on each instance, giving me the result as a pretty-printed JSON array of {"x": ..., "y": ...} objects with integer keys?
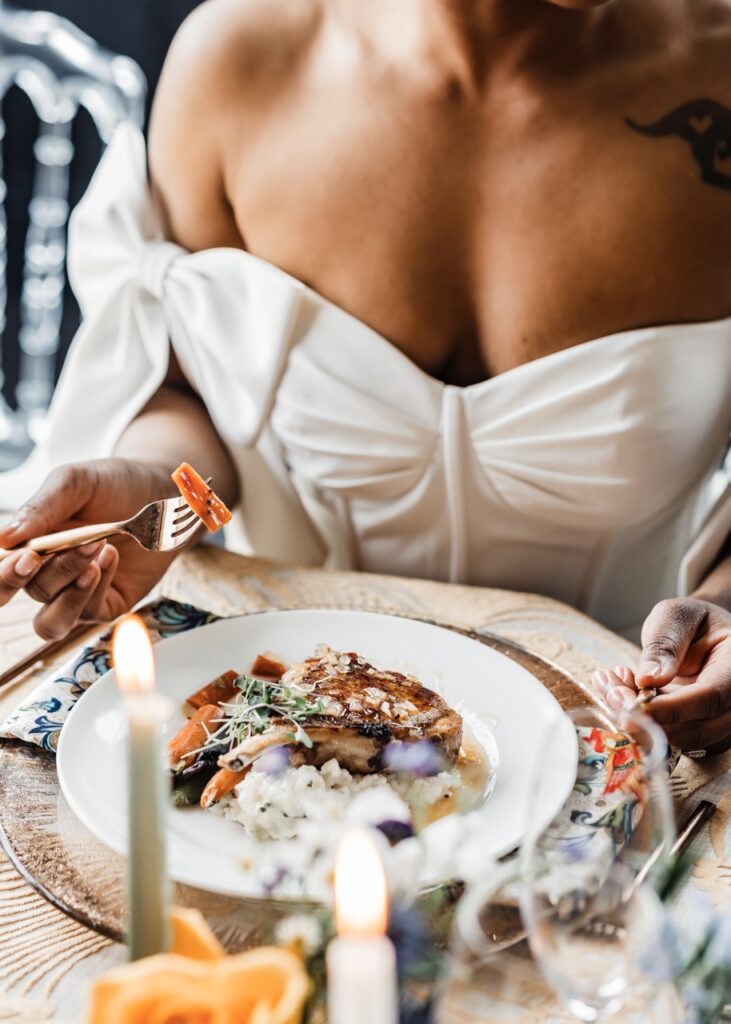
[{"x": 263, "y": 986}]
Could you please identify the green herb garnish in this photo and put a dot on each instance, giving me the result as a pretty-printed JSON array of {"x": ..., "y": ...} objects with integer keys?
[{"x": 261, "y": 705}]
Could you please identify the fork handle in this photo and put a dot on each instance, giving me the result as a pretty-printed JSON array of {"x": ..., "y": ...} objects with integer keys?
[{"x": 66, "y": 539}]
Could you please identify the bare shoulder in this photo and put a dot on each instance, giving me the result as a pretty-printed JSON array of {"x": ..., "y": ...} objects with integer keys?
[
  {"x": 231, "y": 43},
  {"x": 229, "y": 62},
  {"x": 709, "y": 54},
  {"x": 712, "y": 14},
  {"x": 709, "y": 25},
  {"x": 687, "y": 46}
]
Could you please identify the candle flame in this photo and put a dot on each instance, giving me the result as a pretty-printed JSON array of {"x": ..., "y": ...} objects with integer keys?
[
  {"x": 132, "y": 657},
  {"x": 361, "y": 897}
]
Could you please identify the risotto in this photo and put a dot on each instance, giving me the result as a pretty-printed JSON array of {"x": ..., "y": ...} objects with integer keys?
[{"x": 273, "y": 806}]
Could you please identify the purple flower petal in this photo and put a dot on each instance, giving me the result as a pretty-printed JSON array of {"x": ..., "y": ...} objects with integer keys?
[
  {"x": 420, "y": 759},
  {"x": 395, "y": 831},
  {"x": 274, "y": 761}
]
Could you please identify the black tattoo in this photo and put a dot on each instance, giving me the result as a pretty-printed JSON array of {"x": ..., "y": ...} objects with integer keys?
[{"x": 706, "y": 125}]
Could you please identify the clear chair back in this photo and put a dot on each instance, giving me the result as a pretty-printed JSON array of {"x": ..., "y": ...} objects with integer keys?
[{"x": 61, "y": 70}]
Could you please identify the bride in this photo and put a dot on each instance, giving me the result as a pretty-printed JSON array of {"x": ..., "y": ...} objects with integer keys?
[{"x": 430, "y": 287}]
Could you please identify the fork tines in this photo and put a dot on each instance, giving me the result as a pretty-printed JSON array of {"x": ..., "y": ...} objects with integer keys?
[{"x": 184, "y": 515}]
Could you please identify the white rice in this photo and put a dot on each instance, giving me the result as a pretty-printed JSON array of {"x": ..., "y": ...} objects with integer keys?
[{"x": 277, "y": 806}]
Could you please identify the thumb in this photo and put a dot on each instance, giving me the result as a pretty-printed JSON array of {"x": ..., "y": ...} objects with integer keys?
[
  {"x": 669, "y": 630},
  {"x": 64, "y": 492}
]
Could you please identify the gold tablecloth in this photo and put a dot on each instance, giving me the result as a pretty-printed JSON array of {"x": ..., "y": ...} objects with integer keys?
[{"x": 47, "y": 960}]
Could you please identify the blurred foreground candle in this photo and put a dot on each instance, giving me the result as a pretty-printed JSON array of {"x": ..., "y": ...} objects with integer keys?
[
  {"x": 361, "y": 961},
  {"x": 148, "y": 886}
]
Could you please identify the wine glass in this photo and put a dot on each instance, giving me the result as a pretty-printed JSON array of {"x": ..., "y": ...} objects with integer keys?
[
  {"x": 587, "y": 896},
  {"x": 490, "y": 974}
]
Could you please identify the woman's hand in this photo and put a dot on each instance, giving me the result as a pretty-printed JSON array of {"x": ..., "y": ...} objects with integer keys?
[
  {"x": 99, "y": 581},
  {"x": 686, "y": 652}
]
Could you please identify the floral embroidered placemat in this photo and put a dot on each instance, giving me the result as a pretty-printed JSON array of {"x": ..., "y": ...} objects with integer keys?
[{"x": 40, "y": 715}]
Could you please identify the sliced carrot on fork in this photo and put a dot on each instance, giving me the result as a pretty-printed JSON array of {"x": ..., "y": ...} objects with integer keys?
[{"x": 201, "y": 497}]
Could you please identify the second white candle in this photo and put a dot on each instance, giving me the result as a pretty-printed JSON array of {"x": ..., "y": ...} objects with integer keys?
[{"x": 361, "y": 961}]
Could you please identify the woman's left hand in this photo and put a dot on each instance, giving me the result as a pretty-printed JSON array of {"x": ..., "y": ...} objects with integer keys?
[{"x": 686, "y": 653}]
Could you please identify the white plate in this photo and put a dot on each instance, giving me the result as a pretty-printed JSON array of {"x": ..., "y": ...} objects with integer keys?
[{"x": 507, "y": 707}]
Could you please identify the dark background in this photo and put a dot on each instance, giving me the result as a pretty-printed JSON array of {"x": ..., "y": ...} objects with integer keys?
[{"x": 141, "y": 29}]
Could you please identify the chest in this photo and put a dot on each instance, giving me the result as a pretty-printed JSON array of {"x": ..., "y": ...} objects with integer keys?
[{"x": 476, "y": 243}]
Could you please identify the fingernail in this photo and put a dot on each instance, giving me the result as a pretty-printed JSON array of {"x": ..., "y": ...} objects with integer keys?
[
  {"x": 27, "y": 563},
  {"x": 650, "y": 668},
  {"x": 91, "y": 548},
  {"x": 601, "y": 678},
  {"x": 619, "y": 697},
  {"x": 87, "y": 578},
  {"x": 11, "y": 527},
  {"x": 106, "y": 558}
]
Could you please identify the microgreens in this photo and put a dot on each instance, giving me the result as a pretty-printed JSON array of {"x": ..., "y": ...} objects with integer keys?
[{"x": 260, "y": 705}]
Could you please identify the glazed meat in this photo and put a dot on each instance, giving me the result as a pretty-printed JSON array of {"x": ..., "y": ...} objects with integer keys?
[{"x": 365, "y": 710}]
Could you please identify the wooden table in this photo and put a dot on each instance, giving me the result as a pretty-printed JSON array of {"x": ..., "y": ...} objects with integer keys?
[{"x": 47, "y": 960}]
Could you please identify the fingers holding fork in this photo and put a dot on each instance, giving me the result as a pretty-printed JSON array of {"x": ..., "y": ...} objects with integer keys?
[{"x": 619, "y": 688}]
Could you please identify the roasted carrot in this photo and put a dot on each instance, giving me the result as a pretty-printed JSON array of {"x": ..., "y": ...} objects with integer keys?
[
  {"x": 222, "y": 783},
  {"x": 268, "y": 665},
  {"x": 220, "y": 690},
  {"x": 193, "y": 735},
  {"x": 202, "y": 499}
]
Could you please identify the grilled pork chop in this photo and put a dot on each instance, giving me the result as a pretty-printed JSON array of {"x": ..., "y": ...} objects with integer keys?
[{"x": 365, "y": 710}]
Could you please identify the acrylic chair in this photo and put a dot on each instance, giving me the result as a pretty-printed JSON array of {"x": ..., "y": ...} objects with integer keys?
[{"x": 60, "y": 69}]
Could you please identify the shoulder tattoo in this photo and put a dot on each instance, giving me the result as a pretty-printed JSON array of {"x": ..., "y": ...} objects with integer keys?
[{"x": 706, "y": 126}]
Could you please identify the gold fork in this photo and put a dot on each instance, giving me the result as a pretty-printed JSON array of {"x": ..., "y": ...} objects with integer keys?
[{"x": 163, "y": 525}]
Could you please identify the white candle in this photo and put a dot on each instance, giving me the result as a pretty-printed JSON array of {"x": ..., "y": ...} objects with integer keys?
[
  {"x": 147, "y": 794},
  {"x": 361, "y": 961}
]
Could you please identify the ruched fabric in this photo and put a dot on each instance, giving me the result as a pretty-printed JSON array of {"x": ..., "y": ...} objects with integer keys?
[{"x": 588, "y": 475}]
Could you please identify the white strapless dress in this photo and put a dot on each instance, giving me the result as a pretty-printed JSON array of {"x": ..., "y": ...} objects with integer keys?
[{"x": 592, "y": 475}]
